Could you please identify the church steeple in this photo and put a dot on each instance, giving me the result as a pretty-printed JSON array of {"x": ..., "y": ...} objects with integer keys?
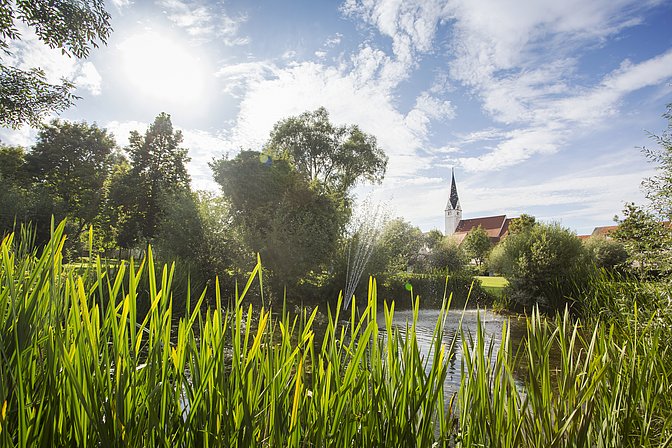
[
  {"x": 453, "y": 199},
  {"x": 453, "y": 211}
]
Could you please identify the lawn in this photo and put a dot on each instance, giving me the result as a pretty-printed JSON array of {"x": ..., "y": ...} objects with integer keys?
[{"x": 493, "y": 285}]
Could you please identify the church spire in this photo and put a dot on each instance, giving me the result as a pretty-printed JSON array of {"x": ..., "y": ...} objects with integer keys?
[
  {"x": 453, "y": 200},
  {"x": 453, "y": 213}
]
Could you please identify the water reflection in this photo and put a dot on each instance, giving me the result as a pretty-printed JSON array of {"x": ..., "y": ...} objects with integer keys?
[{"x": 491, "y": 323}]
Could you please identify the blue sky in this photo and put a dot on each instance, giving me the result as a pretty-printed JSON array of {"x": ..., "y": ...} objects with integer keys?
[{"x": 539, "y": 105}]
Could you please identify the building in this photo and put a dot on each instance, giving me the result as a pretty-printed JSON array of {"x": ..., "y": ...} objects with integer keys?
[{"x": 497, "y": 226}]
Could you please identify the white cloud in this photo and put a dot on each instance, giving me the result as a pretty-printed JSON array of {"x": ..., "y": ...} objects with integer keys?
[
  {"x": 428, "y": 108},
  {"x": 334, "y": 40},
  {"x": 410, "y": 24},
  {"x": 31, "y": 52},
  {"x": 347, "y": 96},
  {"x": 201, "y": 20},
  {"x": 89, "y": 78},
  {"x": 25, "y": 136},
  {"x": 235, "y": 78}
]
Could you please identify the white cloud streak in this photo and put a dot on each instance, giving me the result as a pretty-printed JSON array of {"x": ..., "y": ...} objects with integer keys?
[{"x": 202, "y": 21}]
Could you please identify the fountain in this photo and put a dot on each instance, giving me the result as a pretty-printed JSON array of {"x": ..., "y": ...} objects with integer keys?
[{"x": 366, "y": 230}]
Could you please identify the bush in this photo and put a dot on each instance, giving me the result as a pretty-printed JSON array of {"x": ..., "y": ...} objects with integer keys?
[
  {"x": 606, "y": 253},
  {"x": 431, "y": 288},
  {"x": 544, "y": 264}
]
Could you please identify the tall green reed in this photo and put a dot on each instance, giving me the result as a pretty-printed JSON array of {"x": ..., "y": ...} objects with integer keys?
[{"x": 79, "y": 365}]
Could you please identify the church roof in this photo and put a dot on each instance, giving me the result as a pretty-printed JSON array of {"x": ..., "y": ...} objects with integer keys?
[
  {"x": 495, "y": 226},
  {"x": 453, "y": 200}
]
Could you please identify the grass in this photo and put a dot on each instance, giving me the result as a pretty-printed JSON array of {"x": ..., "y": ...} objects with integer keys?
[
  {"x": 493, "y": 285},
  {"x": 81, "y": 367}
]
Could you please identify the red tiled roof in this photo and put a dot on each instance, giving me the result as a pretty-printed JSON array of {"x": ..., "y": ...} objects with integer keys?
[
  {"x": 495, "y": 226},
  {"x": 604, "y": 230}
]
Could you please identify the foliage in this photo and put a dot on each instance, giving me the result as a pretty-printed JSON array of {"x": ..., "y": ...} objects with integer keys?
[
  {"x": 659, "y": 187},
  {"x": 446, "y": 256},
  {"x": 12, "y": 161},
  {"x": 606, "y": 253},
  {"x": 180, "y": 232},
  {"x": 222, "y": 246},
  {"x": 647, "y": 241},
  {"x": 158, "y": 170},
  {"x": 477, "y": 245},
  {"x": 72, "y": 27},
  {"x": 22, "y": 202},
  {"x": 463, "y": 289},
  {"x": 295, "y": 226},
  {"x": 337, "y": 157},
  {"x": 81, "y": 367},
  {"x": 433, "y": 239},
  {"x": 397, "y": 248},
  {"x": 72, "y": 161},
  {"x": 605, "y": 386},
  {"x": 522, "y": 224},
  {"x": 543, "y": 264}
]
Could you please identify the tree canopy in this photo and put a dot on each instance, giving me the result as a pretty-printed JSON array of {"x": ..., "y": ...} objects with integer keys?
[
  {"x": 477, "y": 245},
  {"x": 72, "y": 27},
  {"x": 337, "y": 156},
  {"x": 541, "y": 263},
  {"x": 72, "y": 160},
  {"x": 658, "y": 188},
  {"x": 158, "y": 170},
  {"x": 294, "y": 226}
]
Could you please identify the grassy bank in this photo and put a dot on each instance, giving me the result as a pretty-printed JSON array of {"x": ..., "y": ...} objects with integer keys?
[
  {"x": 81, "y": 367},
  {"x": 493, "y": 285}
]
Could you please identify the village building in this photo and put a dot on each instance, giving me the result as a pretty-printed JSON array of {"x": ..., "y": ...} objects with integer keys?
[{"x": 497, "y": 227}]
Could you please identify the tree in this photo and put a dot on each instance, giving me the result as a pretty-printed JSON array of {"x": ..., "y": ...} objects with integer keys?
[
  {"x": 658, "y": 188},
  {"x": 477, "y": 245},
  {"x": 337, "y": 156},
  {"x": 543, "y": 265},
  {"x": 294, "y": 225},
  {"x": 606, "y": 253},
  {"x": 72, "y": 27},
  {"x": 72, "y": 161},
  {"x": 647, "y": 241},
  {"x": 158, "y": 169},
  {"x": 447, "y": 255},
  {"x": 521, "y": 224},
  {"x": 12, "y": 161},
  {"x": 397, "y": 248}
]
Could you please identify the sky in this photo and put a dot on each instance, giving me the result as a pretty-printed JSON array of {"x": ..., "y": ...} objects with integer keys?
[{"x": 540, "y": 106}]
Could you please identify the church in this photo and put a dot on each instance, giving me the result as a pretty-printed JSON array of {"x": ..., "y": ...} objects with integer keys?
[{"x": 497, "y": 227}]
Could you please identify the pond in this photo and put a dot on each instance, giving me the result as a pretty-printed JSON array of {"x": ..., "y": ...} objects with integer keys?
[{"x": 491, "y": 323}]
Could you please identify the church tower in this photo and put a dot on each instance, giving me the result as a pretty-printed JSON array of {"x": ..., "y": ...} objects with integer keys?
[{"x": 453, "y": 209}]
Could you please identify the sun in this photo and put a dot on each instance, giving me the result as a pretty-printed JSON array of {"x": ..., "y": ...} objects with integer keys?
[{"x": 161, "y": 68}]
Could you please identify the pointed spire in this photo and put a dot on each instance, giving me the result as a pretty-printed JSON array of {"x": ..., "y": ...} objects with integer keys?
[{"x": 454, "y": 200}]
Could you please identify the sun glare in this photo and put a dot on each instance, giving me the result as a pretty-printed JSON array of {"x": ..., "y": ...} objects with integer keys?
[{"x": 162, "y": 69}]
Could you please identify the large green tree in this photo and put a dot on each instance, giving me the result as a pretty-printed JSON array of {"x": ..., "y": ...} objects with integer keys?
[
  {"x": 293, "y": 224},
  {"x": 446, "y": 255},
  {"x": 336, "y": 156},
  {"x": 398, "y": 248},
  {"x": 158, "y": 170},
  {"x": 477, "y": 245},
  {"x": 74, "y": 27},
  {"x": 72, "y": 161}
]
